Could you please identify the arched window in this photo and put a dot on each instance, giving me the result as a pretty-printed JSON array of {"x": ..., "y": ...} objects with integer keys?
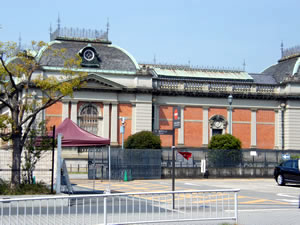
[{"x": 89, "y": 118}]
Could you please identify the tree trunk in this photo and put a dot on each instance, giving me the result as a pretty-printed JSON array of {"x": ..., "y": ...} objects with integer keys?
[{"x": 16, "y": 162}]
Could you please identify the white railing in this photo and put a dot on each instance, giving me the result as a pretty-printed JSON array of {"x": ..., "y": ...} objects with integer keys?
[{"x": 129, "y": 208}]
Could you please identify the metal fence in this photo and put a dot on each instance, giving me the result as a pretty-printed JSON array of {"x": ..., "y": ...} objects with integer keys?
[
  {"x": 129, "y": 208},
  {"x": 41, "y": 173},
  {"x": 125, "y": 164},
  {"x": 264, "y": 158}
]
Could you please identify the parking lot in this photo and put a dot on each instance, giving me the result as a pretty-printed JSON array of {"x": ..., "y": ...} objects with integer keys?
[{"x": 261, "y": 201}]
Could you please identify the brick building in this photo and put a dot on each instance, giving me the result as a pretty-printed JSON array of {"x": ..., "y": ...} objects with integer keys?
[{"x": 265, "y": 106}]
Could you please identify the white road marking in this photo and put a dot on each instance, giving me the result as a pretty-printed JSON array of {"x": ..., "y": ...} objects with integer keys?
[
  {"x": 191, "y": 184},
  {"x": 258, "y": 210},
  {"x": 286, "y": 195}
]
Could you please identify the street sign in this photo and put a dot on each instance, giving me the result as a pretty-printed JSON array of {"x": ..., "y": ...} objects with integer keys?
[
  {"x": 176, "y": 117},
  {"x": 286, "y": 156},
  {"x": 163, "y": 132}
]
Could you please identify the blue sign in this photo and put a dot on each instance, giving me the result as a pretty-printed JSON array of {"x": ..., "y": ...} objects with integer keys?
[
  {"x": 286, "y": 156},
  {"x": 122, "y": 129}
]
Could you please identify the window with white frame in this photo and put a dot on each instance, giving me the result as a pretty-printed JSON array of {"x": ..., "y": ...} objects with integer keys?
[{"x": 88, "y": 118}]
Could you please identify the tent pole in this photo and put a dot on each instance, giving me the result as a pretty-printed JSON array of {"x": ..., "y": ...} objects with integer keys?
[
  {"x": 109, "y": 168},
  {"x": 94, "y": 165},
  {"x": 58, "y": 170}
]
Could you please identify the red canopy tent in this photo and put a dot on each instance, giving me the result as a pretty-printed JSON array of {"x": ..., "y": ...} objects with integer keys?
[{"x": 74, "y": 136}]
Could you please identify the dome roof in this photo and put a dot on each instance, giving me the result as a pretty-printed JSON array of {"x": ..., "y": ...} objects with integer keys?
[
  {"x": 283, "y": 69},
  {"x": 112, "y": 57}
]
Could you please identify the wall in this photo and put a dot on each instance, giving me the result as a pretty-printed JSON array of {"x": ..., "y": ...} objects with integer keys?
[
  {"x": 54, "y": 115},
  {"x": 125, "y": 110}
]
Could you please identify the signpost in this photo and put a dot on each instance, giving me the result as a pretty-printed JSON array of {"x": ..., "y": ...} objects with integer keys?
[
  {"x": 286, "y": 156},
  {"x": 176, "y": 124}
]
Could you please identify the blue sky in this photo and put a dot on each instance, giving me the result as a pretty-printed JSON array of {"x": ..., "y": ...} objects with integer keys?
[{"x": 214, "y": 33}]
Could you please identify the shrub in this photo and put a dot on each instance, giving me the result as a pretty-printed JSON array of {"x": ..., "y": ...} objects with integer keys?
[
  {"x": 23, "y": 189},
  {"x": 143, "y": 140},
  {"x": 224, "y": 141},
  {"x": 225, "y": 151}
]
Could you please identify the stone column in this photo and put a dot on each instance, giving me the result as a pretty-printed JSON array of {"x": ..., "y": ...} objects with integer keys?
[
  {"x": 105, "y": 128},
  {"x": 65, "y": 110},
  {"x": 181, "y": 129},
  {"x": 74, "y": 112},
  {"x": 114, "y": 124},
  {"x": 253, "y": 128},
  {"x": 156, "y": 117},
  {"x": 133, "y": 118},
  {"x": 205, "y": 127},
  {"x": 276, "y": 144}
]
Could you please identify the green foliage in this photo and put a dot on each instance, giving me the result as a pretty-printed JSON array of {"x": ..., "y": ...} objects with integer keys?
[
  {"x": 143, "y": 140},
  {"x": 25, "y": 92},
  {"x": 295, "y": 157},
  {"x": 23, "y": 189},
  {"x": 225, "y": 151},
  {"x": 36, "y": 144},
  {"x": 224, "y": 141}
]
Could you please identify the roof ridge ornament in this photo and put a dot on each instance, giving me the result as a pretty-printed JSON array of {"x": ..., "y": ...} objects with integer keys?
[
  {"x": 189, "y": 67},
  {"x": 290, "y": 52},
  {"x": 76, "y": 34}
]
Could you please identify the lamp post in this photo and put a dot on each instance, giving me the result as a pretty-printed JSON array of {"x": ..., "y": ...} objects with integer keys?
[
  {"x": 122, "y": 131},
  {"x": 282, "y": 106},
  {"x": 230, "y": 113}
]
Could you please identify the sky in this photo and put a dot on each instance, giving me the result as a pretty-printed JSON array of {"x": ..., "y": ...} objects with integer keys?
[{"x": 215, "y": 33}]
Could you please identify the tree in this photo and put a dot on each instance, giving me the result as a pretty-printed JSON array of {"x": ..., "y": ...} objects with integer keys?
[
  {"x": 225, "y": 150},
  {"x": 20, "y": 73},
  {"x": 143, "y": 140},
  {"x": 37, "y": 143}
]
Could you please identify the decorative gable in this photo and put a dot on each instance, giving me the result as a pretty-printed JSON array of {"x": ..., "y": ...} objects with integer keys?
[{"x": 94, "y": 81}]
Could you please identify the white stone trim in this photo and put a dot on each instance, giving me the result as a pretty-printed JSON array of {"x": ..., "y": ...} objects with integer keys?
[
  {"x": 253, "y": 129},
  {"x": 181, "y": 129},
  {"x": 74, "y": 112},
  {"x": 114, "y": 124},
  {"x": 105, "y": 128},
  {"x": 205, "y": 127},
  {"x": 65, "y": 110}
]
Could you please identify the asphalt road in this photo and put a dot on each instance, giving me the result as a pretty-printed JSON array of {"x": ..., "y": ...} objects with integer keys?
[{"x": 261, "y": 201}]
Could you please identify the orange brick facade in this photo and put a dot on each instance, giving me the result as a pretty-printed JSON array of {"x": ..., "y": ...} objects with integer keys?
[
  {"x": 54, "y": 115},
  {"x": 241, "y": 126},
  {"x": 125, "y": 110},
  {"x": 192, "y": 125},
  {"x": 265, "y": 128}
]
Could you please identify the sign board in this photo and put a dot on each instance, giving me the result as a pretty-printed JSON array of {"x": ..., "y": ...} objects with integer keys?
[
  {"x": 203, "y": 165},
  {"x": 122, "y": 129},
  {"x": 253, "y": 153},
  {"x": 163, "y": 132},
  {"x": 176, "y": 117},
  {"x": 286, "y": 156}
]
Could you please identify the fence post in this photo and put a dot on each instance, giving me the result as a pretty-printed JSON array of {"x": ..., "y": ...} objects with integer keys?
[
  {"x": 236, "y": 207},
  {"x": 105, "y": 211}
]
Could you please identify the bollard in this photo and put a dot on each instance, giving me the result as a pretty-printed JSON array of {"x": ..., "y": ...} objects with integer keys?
[{"x": 125, "y": 176}]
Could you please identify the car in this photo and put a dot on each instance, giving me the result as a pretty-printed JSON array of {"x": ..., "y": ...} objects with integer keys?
[{"x": 287, "y": 172}]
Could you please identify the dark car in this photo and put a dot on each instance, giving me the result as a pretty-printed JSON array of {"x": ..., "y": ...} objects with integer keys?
[{"x": 287, "y": 172}]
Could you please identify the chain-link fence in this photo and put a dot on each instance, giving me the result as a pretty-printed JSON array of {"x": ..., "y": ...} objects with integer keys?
[{"x": 41, "y": 173}]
